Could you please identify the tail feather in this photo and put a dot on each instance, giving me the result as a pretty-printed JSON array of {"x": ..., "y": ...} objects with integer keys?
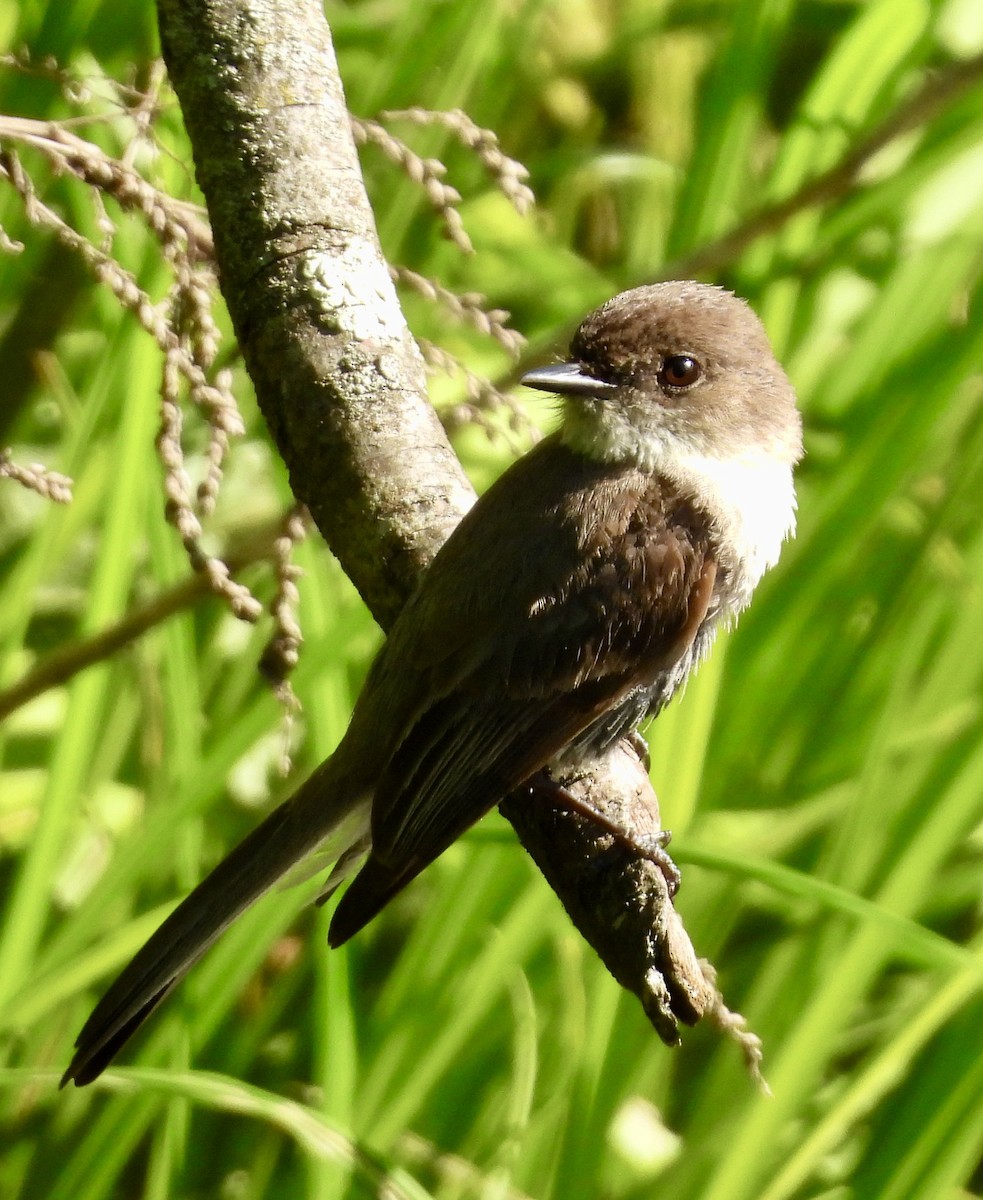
[
  {"x": 368, "y": 894},
  {"x": 288, "y": 834}
]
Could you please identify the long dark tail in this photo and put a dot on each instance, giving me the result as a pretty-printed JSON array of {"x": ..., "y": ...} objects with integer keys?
[{"x": 287, "y": 835}]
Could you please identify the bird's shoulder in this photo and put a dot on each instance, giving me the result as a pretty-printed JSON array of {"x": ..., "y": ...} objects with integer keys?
[{"x": 561, "y": 553}]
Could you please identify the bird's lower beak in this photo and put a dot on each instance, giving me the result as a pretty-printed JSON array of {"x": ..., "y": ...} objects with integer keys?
[{"x": 565, "y": 379}]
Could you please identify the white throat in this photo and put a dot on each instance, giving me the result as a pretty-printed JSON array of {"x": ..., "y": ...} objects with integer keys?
[
  {"x": 750, "y": 500},
  {"x": 749, "y": 496}
]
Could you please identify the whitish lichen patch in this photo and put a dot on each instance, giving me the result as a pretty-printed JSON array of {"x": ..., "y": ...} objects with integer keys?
[{"x": 353, "y": 292}]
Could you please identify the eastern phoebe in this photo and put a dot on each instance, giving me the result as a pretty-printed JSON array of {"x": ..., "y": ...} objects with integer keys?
[{"x": 569, "y": 604}]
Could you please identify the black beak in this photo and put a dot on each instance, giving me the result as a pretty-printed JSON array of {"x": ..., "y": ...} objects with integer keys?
[{"x": 565, "y": 379}]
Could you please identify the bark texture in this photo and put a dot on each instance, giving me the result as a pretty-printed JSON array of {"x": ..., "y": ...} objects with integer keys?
[{"x": 337, "y": 374}]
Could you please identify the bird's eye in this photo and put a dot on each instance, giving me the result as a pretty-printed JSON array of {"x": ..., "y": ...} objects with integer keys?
[{"x": 680, "y": 371}]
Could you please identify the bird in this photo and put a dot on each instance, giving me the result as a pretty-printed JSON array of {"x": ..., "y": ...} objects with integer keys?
[{"x": 571, "y": 603}]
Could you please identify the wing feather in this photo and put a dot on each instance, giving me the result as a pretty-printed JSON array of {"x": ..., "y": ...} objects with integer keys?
[{"x": 567, "y": 643}]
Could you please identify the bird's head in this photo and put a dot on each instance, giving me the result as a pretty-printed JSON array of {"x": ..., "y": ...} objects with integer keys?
[{"x": 674, "y": 369}]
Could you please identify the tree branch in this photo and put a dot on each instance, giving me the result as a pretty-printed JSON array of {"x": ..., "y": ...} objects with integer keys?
[{"x": 337, "y": 374}]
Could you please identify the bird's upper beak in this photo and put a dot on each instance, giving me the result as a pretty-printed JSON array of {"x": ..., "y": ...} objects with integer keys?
[{"x": 566, "y": 379}]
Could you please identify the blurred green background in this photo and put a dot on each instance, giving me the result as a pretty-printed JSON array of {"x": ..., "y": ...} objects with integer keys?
[{"x": 823, "y": 776}]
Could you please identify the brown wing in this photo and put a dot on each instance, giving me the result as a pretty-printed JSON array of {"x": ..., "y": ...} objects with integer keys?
[
  {"x": 475, "y": 745},
  {"x": 600, "y": 595}
]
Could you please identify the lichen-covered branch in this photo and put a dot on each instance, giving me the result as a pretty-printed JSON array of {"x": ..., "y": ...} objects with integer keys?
[{"x": 337, "y": 374}]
